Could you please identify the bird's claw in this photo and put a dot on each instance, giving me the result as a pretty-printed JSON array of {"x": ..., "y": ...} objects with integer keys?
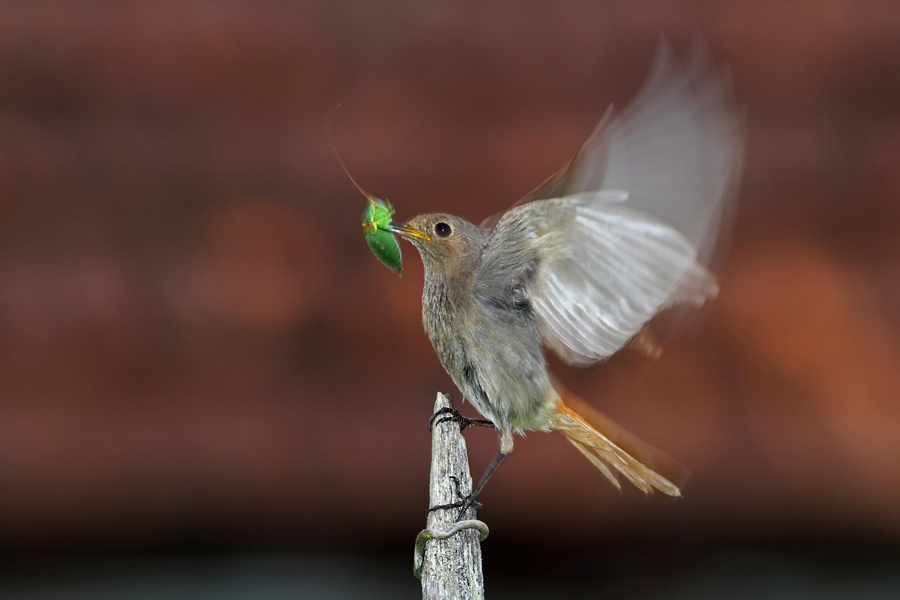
[
  {"x": 463, "y": 505},
  {"x": 465, "y": 502},
  {"x": 446, "y": 410},
  {"x": 449, "y": 413}
]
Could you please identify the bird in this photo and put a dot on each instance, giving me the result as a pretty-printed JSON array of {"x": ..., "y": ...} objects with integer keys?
[{"x": 581, "y": 264}]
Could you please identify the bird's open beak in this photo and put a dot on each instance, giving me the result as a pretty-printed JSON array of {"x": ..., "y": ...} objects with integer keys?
[{"x": 409, "y": 233}]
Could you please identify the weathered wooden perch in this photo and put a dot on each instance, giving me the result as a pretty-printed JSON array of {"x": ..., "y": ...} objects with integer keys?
[{"x": 448, "y": 553}]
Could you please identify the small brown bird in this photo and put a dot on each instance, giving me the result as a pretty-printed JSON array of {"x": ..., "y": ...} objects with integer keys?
[{"x": 583, "y": 263}]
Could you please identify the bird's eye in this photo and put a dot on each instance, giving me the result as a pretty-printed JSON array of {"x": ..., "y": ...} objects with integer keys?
[{"x": 442, "y": 229}]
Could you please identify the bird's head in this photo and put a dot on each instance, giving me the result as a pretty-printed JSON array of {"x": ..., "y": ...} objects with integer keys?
[{"x": 446, "y": 243}]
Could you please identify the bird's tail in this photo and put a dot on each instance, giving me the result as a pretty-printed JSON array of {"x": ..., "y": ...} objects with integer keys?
[{"x": 610, "y": 448}]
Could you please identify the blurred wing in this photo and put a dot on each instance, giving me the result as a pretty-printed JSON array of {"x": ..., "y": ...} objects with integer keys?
[
  {"x": 616, "y": 235},
  {"x": 675, "y": 153},
  {"x": 594, "y": 273}
]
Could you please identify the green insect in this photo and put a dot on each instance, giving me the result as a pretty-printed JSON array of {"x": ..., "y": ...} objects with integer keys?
[{"x": 377, "y": 225}]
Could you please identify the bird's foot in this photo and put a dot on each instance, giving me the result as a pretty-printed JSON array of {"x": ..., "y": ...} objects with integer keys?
[
  {"x": 449, "y": 413},
  {"x": 465, "y": 502}
]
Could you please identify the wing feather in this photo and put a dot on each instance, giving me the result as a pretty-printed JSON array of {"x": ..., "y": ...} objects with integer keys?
[
  {"x": 621, "y": 231},
  {"x": 617, "y": 269}
]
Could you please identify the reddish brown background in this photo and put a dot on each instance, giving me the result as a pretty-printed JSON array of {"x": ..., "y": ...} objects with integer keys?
[{"x": 196, "y": 346}]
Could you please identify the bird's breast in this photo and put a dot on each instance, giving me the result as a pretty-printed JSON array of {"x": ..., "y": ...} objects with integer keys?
[
  {"x": 445, "y": 319},
  {"x": 493, "y": 354}
]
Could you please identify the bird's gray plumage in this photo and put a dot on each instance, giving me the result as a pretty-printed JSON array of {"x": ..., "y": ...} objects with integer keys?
[{"x": 584, "y": 261}]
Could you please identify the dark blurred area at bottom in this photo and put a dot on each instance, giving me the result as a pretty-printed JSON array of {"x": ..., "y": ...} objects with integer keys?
[{"x": 813, "y": 569}]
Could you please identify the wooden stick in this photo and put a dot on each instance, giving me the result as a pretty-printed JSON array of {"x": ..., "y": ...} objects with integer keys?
[{"x": 448, "y": 553}]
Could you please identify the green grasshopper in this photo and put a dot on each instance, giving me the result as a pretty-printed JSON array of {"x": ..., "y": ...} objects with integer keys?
[{"x": 377, "y": 225}]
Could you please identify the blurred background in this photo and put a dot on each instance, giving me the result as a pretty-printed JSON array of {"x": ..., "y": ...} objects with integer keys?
[{"x": 210, "y": 388}]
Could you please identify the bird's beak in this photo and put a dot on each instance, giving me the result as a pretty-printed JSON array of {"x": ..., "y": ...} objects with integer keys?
[{"x": 409, "y": 233}]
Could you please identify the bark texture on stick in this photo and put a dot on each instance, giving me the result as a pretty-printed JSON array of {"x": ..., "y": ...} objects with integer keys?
[{"x": 452, "y": 566}]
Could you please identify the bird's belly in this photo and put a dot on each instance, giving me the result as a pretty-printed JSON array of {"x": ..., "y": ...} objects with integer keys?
[
  {"x": 493, "y": 355},
  {"x": 503, "y": 375}
]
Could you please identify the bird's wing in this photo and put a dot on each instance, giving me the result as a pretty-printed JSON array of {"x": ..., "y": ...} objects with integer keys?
[
  {"x": 620, "y": 232},
  {"x": 594, "y": 273}
]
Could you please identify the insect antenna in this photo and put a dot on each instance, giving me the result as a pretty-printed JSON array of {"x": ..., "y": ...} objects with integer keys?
[{"x": 330, "y": 138}]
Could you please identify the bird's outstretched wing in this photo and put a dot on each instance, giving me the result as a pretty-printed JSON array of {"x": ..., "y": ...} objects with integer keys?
[{"x": 621, "y": 231}]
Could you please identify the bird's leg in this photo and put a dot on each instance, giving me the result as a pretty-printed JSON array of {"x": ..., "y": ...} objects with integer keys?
[
  {"x": 467, "y": 502},
  {"x": 449, "y": 413}
]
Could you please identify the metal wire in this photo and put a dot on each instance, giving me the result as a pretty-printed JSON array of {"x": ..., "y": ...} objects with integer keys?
[{"x": 436, "y": 534}]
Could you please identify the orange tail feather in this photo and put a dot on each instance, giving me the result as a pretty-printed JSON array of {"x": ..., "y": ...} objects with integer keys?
[{"x": 608, "y": 446}]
